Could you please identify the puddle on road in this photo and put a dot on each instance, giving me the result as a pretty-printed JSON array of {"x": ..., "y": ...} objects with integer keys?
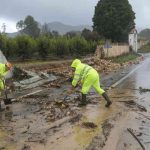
[
  {"x": 79, "y": 137},
  {"x": 10, "y": 125},
  {"x": 95, "y": 114}
]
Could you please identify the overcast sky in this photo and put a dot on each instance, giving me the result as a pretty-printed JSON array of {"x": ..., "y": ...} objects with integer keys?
[{"x": 73, "y": 12}]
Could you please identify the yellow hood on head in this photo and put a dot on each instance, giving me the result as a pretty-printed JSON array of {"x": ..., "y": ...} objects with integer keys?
[{"x": 75, "y": 63}]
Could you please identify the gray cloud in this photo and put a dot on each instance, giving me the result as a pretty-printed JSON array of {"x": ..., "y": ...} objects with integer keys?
[
  {"x": 67, "y": 11},
  {"x": 142, "y": 10}
]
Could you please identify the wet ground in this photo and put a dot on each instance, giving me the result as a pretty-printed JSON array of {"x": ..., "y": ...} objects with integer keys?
[
  {"x": 30, "y": 125},
  {"x": 134, "y": 113}
]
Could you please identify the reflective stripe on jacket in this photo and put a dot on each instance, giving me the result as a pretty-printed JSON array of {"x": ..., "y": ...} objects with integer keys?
[{"x": 81, "y": 73}]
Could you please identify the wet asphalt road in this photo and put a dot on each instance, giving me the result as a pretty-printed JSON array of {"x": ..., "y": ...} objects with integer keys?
[{"x": 135, "y": 118}]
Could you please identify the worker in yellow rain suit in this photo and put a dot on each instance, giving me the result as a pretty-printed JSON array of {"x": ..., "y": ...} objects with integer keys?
[
  {"x": 88, "y": 77},
  {"x": 4, "y": 68}
]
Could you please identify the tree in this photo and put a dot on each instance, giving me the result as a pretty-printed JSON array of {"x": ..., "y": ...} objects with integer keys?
[
  {"x": 43, "y": 46},
  {"x": 86, "y": 33},
  {"x": 55, "y": 33},
  {"x": 46, "y": 30},
  {"x": 114, "y": 19},
  {"x": 11, "y": 48},
  {"x": 26, "y": 46},
  {"x": 29, "y": 26},
  {"x": 20, "y": 26},
  {"x": 90, "y": 36},
  {"x": 3, "y": 43},
  {"x": 71, "y": 34}
]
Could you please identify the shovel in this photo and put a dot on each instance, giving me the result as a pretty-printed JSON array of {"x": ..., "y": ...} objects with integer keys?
[{"x": 7, "y": 100}]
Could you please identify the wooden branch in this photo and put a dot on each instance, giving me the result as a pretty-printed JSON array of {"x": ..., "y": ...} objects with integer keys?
[
  {"x": 130, "y": 131},
  {"x": 144, "y": 116}
]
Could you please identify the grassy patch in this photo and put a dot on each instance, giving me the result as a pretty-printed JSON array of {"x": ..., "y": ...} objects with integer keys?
[
  {"x": 145, "y": 49},
  {"x": 125, "y": 58}
]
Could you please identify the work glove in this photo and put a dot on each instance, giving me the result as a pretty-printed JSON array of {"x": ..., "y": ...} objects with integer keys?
[{"x": 70, "y": 79}]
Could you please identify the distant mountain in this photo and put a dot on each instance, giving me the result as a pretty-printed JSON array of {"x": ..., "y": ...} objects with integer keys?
[
  {"x": 145, "y": 34},
  {"x": 63, "y": 28},
  {"x": 12, "y": 35},
  {"x": 60, "y": 27}
]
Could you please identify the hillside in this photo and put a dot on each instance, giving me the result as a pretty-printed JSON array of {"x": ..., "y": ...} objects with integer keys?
[
  {"x": 60, "y": 27},
  {"x": 145, "y": 34},
  {"x": 63, "y": 28}
]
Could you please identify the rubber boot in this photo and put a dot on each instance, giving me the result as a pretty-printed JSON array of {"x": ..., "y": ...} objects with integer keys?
[
  {"x": 107, "y": 99},
  {"x": 83, "y": 101}
]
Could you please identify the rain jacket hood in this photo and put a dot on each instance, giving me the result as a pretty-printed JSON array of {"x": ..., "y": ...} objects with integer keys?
[{"x": 75, "y": 63}]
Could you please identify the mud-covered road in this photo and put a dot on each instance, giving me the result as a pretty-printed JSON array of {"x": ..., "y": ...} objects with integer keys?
[{"x": 51, "y": 120}]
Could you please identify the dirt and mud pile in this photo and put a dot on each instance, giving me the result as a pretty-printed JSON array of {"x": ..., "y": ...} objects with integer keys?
[
  {"x": 64, "y": 69},
  {"x": 103, "y": 65},
  {"x": 19, "y": 74}
]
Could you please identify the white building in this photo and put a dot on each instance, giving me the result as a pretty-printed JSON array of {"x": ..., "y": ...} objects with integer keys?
[{"x": 133, "y": 35}]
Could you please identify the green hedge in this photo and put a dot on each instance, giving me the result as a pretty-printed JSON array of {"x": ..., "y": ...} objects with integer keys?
[{"x": 25, "y": 47}]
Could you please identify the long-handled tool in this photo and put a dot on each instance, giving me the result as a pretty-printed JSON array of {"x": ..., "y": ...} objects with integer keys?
[{"x": 7, "y": 100}]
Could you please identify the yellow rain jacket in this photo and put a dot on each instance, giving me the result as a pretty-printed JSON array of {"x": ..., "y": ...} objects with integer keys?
[
  {"x": 87, "y": 75},
  {"x": 3, "y": 72}
]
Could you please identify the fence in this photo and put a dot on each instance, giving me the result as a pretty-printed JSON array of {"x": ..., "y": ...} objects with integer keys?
[{"x": 115, "y": 50}]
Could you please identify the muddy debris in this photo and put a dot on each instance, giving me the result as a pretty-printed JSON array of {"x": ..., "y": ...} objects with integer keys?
[
  {"x": 75, "y": 119},
  {"x": 61, "y": 104},
  {"x": 98, "y": 142},
  {"x": 89, "y": 125},
  {"x": 59, "y": 113},
  {"x": 142, "y": 90},
  {"x": 103, "y": 65},
  {"x": 54, "y": 84},
  {"x": 133, "y": 104},
  {"x": 131, "y": 132},
  {"x": 144, "y": 117},
  {"x": 26, "y": 147},
  {"x": 107, "y": 126},
  {"x": 19, "y": 74},
  {"x": 37, "y": 96},
  {"x": 2, "y": 148}
]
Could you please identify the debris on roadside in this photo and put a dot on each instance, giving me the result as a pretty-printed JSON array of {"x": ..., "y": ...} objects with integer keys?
[
  {"x": 89, "y": 125},
  {"x": 142, "y": 90},
  {"x": 2, "y": 148},
  {"x": 19, "y": 74},
  {"x": 133, "y": 104},
  {"x": 103, "y": 65},
  {"x": 26, "y": 147},
  {"x": 54, "y": 107},
  {"x": 131, "y": 132}
]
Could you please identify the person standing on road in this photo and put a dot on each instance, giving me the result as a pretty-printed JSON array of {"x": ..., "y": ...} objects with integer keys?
[
  {"x": 4, "y": 68},
  {"x": 88, "y": 77}
]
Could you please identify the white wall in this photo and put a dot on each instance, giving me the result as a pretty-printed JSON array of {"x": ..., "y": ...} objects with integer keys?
[{"x": 133, "y": 41}]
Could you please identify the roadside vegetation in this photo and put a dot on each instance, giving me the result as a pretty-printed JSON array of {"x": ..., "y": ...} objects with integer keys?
[
  {"x": 145, "y": 48},
  {"x": 125, "y": 58},
  {"x": 25, "y": 47}
]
